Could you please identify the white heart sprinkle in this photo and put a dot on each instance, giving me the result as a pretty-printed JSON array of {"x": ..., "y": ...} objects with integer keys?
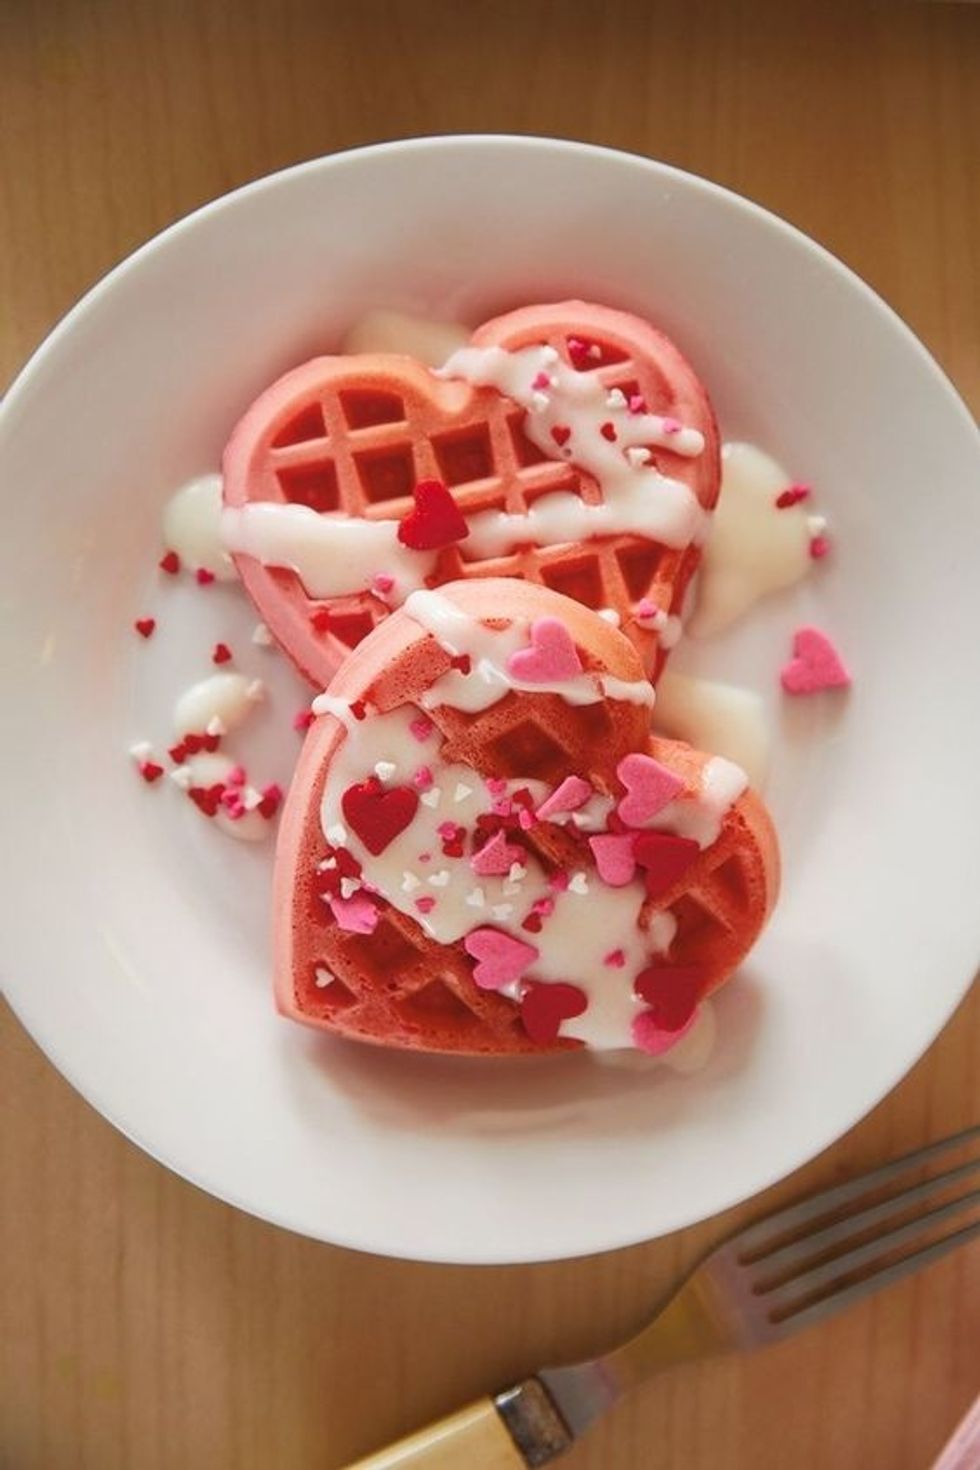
[
  {"x": 323, "y": 978},
  {"x": 262, "y": 636},
  {"x": 384, "y": 770},
  {"x": 410, "y": 882},
  {"x": 251, "y": 798},
  {"x": 816, "y": 525},
  {"x": 440, "y": 879},
  {"x": 476, "y": 898},
  {"x": 462, "y": 791},
  {"x": 578, "y": 884},
  {"x": 595, "y": 350},
  {"x": 517, "y": 873},
  {"x": 616, "y": 398},
  {"x": 609, "y": 615},
  {"x": 349, "y": 886},
  {"x": 548, "y": 355},
  {"x": 141, "y": 751},
  {"x": 539, "y": 401},
  {"x": 502, "y": 910},
  {"x": 431, "y": 798},
  {"x": 216, "y": 726},
  {"x": 255, "y": 691},
  {"x": 336, "y": 835},
  {"x": 637, "y": 455},
  {"x": 182, "y": 777},
  {"x": 330, "y": 862}
]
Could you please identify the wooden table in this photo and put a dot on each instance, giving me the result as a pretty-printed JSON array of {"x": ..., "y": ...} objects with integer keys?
[{"x": 146, "y": 1326}]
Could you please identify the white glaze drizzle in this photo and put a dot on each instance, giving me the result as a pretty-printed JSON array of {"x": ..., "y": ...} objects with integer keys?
[
  {"x": 754, "y": 547},
  {"x": 192, "y": 527},
  {"x": 489, "y": 650},
  {"x": 332, "y": 554},
  {"x": 228, "y": 698},
  {"x": 637, "y": 499},
  {"x": 209, "y": 769}
]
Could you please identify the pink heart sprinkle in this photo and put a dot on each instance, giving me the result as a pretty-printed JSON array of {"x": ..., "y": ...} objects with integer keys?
[
  {"x": 355, "y": 915},
  {"x": 645, "y": 608},
  {"x": 500, "y": 960},
  {"x": 496, "y": 857},
  {"x": 613, "y": 853},
  {"x": 525, "y": 819},
  {"x": 616, "y": 958},
  {"x": 648, "y": 1036},
  {"x": 551, "y": 657},
  {"x": 671, "y": 426},
  {"x": 543, "y": 906},
  {"x": 496, "y": 785},
  {"x": 649, "y": 787},
  {"x": 421, "y": 728},
  {"x": 425, "y": 905},
  {"x": 815, "y": 665},
  {"x": 568, "y": 797},
  {"x": 422, "y": 779},
  {"x": 383, "y": 583},
  {"x": 558, "y": 880}
]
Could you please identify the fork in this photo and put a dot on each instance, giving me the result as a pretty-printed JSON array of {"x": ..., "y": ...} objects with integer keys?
[{"x": 765, "y": 1282}]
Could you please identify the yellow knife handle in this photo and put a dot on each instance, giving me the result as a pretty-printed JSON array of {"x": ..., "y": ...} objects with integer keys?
[{"x": 518, "y": 1429}]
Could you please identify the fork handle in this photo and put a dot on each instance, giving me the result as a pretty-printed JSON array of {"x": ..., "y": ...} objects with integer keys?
[{"x": 518, "y": 1429}]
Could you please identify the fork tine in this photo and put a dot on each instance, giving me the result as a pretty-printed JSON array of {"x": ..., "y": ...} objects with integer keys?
[
  {"x": 786, "y": 1260},
  {"x": 782, "y": 1299},
  {"x": 836, "y": 1301},
  {"x": 757, "y": 1240}
]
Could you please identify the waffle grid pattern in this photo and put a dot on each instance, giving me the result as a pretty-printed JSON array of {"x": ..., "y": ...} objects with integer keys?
[{"x": 360, "y": 449}]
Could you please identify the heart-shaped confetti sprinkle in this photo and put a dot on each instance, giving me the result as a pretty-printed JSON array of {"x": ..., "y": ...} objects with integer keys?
[
  {"x": 545, "y": 1006},
  {"x": 614, "y": 858},
  {"x": 435, "y": 520},
  {"x": 572, "y": 793},
  {"x": 653, "y": 1039},
  {"x": 169, "y": 563},
  {"x": 500, "y": 960},
  {"x": 664, "y": 858},
  {"x": 221, "y": 654},
  {"x": 816, "y": 665},
  {"x": 145, "y": 626},
  {"x": 378, "y": 816},
  {"x": 649, "y": 788},
  {"x": 672, "y": 992},
  {"x": 551, "y": 656},
  {"x": 356, "y": 914},
  {"x": 421, "y": 728},
  {"x": 496, "y": 857}
]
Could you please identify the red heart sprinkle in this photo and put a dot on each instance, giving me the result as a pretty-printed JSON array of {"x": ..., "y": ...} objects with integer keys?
[
  {"x": 435, "y": 521},
  {"x": 672, "y": 992},
  {"x": 271, "y": 797},
  {"x": 169, "y": 563},
  {"x": 358, "y": 709},
  {"x": 578, "y": 352},
  {"x": 321, "y": 620},
  {"x": 150, "y": 771},
  {"x": 462, "y": 662},
  {"x": 193, "y": 743},
  {"x": 532, "y": 923},
  {"x": 376, "y": 815},
  {"x": 561, "y": 434},
  {"x": 545, "y": 1006},
  {"x": 204, "y": 577},
  {"x": 608, "y": 431},
  {"x": 177, "y": 753},
  {"x": 792, "y": 495},
  {"x": 145, "y": 626},
  {"x": 665, "y": 859},
  {"x": 221, "y": 654},
  {"x": 211, "y": 742}
]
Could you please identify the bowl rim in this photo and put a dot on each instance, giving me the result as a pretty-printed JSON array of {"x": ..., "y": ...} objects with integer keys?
[{"x": 352, "y": 157}]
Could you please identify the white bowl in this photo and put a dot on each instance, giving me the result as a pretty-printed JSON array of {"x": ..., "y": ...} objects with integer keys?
[{"x": 134, "y": 941}]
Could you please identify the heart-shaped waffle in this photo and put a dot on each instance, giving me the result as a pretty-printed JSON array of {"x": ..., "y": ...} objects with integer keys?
[
  {"x": 350, "y": 438},
  {"x": 444, "y": 875}
]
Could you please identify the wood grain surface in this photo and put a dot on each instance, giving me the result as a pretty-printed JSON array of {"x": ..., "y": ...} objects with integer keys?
[{"x": 145, "y": 1325}]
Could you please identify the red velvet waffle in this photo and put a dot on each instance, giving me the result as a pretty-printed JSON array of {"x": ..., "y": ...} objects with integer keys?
[
  {"x": 399, "y": 986},
  {"x": 355, "y": 435}
]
